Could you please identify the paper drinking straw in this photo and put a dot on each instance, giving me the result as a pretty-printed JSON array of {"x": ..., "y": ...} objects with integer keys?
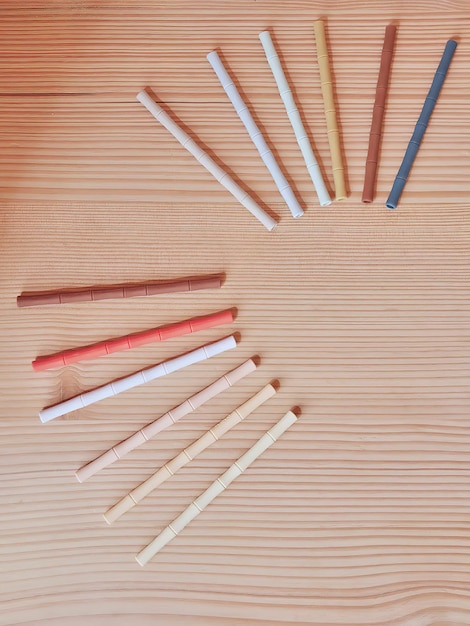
[
  {"x": 255, "y": 134},
  {"x": 91, "y": 294},
  {"x": 378, "y": 114},
  {"x": 188, "y": 454},
  {"x": 138, "y": 378},
  {"x": 330, "y": 110},
  {"x": 219, "y": 485},
  {"x": 294, "y": 118},
  {"x": 421, "y": 125},
  {"x": 132, "y": 341},
  {"x": 204, "y": 159},
  {"x": 192, "y": 403}
]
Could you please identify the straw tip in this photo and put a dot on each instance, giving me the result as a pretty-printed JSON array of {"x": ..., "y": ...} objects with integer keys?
[
  {"x": 141, "y": 563},
  {"x": 296, "y": 410},
  {"x": 43, "y": 416}
]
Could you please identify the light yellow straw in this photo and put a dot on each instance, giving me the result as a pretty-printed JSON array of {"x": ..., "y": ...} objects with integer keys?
[
  {"x": 216, "y": 488},
  {"x": 330, "y": 111}
]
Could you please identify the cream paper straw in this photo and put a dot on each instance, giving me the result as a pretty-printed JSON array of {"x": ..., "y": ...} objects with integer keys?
[
  {"x": 255, "y": 134},
  {"x": 138, "y": 378},
  {"x": 219, "y": 485},
  {"x": 188, "y": 454},
  {"x": 192, "y": 403},
  {"x": 204, "y": 159},
  {"x": 295, "y": 119}
]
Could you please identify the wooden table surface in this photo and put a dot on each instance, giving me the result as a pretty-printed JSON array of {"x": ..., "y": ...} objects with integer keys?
[{"x": 360, "y": 514}]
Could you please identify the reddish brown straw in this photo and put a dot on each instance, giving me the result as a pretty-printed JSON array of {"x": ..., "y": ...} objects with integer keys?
[
  {"x": 125, "y": 291},
  {"x": 378, "y": 114}
]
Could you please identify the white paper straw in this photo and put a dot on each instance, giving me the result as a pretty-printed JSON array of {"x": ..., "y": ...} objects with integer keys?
[
  {"x": 255, "y": 134},
  {"x": 138, "y": 378},
  {"x": 204, "y": 159},
  {"x": 219, "y": 485},
  {"x": 294, "y": 118}
]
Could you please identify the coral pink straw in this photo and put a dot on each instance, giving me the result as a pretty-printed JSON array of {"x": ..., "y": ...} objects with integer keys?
[{"x": 132, "y": 341}]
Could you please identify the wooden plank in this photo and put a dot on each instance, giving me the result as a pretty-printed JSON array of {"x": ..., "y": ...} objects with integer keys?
[{"x": 359, "y": 514}]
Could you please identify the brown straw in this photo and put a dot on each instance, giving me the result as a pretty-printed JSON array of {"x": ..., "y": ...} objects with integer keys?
[
  {"x": 378, "y": 114},
  {"x": 123, "y": 291}
]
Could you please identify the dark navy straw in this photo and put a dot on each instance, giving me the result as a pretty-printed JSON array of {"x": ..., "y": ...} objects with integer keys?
[{"x": 421, "y": 125}]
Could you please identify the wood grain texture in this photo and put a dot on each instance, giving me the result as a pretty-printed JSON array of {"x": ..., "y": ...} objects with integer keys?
[{"x": 359, "y": 515}]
